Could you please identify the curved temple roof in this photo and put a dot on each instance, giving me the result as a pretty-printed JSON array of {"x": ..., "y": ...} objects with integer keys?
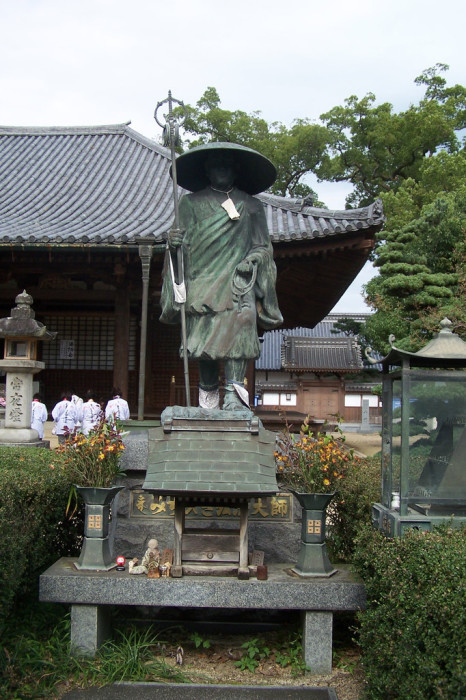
[{"x": 109, "y": 185}]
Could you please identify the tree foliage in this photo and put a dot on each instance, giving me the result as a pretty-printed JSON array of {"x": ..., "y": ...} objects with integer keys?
[
  {"x": 369, "y": 145},
  {"x": 377, "y": 150},
  {"x": 422, "y": 275}
]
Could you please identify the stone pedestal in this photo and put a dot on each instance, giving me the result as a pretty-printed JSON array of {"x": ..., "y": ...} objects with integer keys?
[
  {"x": 90, "y": 627},
  {"x": 274, "y": 522}
]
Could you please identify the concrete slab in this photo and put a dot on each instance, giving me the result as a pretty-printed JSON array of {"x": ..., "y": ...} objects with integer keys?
[{"x": 162, "y": 691}]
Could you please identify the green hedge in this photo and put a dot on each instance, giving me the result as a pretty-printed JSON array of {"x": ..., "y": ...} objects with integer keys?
[
  {"x": 351, "y": 508},
  {"x": 33, "y": 526},
  {"x": 412, "y": 634}
]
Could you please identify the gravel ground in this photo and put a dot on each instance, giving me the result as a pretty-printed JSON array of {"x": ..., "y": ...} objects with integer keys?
[{"x": 366, "y": 444}]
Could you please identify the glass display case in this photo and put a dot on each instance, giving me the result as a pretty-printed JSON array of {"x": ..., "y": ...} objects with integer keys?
[{"x": 423, "y": 436}]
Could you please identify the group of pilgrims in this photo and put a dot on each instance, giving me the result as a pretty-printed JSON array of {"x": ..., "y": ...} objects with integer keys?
[{"x": 73, "y": 413}]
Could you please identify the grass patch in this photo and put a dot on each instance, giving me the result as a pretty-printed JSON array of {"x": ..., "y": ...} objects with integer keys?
[{"x": 35, "y": 661}]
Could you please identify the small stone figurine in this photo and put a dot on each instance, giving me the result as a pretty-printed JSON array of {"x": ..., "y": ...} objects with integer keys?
[
  {"x": 150, "y": 561},
  {"x": 134, "y": 568}
]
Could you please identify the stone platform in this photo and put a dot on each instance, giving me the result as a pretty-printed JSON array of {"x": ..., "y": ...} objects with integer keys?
[
  {"x": 179, "y": 691},
  {"x": 92, "y": 593}
]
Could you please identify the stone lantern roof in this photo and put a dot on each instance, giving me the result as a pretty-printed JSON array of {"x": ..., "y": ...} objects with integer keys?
[
  {"x": 445, "y": 350},
  {"x": 22, "y": 321}
]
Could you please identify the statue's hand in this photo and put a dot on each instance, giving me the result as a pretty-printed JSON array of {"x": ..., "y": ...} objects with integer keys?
[
  {"x": 175, "y": 237},
  {"x": 246, "y": 266}
]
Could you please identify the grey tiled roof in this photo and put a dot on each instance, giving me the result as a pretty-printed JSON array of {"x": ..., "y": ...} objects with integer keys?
[
  {"x": 109, "y": 185},
  {"x": 271, "y": 347},
  {"x": 293, "y": 220},
  {"x": 321, "y": 354},
  {"x": 95, "y": 185}
]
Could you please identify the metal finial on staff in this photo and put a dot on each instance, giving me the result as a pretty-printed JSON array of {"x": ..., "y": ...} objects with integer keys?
[{"x": 171, "y": 138}]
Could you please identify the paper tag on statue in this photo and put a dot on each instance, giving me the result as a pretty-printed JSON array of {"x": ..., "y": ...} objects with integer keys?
[{"x": 230, "y": 209}]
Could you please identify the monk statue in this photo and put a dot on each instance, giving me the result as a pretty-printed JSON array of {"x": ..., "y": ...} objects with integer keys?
[{"x": 229, "y": 271}]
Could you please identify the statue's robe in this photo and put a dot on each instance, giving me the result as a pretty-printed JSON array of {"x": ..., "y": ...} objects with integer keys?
[{"x": 221, "y": 322}]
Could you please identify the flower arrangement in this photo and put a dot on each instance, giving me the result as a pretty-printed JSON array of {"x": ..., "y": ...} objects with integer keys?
[
  {"x": 311, "y": 464},
  {"x": 94, "y": 459}
]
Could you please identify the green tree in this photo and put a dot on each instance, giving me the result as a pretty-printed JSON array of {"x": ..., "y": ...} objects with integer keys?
[
  {"x": 377, "y": 150},
  {"x": 422, "y": 275},
  {"x": 442, "y": 173},
  {"x": 369, "y": 145},
  {"x": 348, "y": 326}
]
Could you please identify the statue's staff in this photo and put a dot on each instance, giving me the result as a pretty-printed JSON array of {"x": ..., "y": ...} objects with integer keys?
[{"x": 171, "y": 138}]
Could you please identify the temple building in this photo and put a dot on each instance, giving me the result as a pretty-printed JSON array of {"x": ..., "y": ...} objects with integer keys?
[
  {"x": 319, "y": 372},
  {"x": 84, "y": 214}
]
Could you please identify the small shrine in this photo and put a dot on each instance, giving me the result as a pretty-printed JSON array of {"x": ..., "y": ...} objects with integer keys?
[
  {"x": 214, "y": 458},
  {"x": 21, "y": 333},
  {"x": 423, "y": 436}
]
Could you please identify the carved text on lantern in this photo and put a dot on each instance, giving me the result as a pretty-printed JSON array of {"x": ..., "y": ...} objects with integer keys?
[{"x": 15, "y": 401}]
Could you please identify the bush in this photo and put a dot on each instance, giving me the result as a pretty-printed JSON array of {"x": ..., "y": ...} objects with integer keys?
[
  {"x": 351, "y": 508},
  {"x": 33, "y": 499},
  {"x": 412, "y": 633}
]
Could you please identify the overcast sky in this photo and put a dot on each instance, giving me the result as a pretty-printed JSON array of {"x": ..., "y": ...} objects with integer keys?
[{"x": 90, "y": 62}]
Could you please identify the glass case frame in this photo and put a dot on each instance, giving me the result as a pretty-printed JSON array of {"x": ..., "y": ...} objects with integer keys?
[{"x": 423, "y": 456}]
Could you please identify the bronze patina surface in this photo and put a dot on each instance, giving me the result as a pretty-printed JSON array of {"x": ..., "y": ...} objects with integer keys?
[{"x": 229, "y": 271}]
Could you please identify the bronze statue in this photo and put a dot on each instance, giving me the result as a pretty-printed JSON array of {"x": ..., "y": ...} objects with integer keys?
[{"x": 229, "y": 270}]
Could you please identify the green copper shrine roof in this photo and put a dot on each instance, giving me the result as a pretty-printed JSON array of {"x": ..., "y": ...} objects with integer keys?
[{"x": 211, "y": 457}]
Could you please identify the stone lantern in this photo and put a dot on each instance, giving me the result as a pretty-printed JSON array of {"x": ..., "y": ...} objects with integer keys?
[
  {"x": 21, "y": 333},
  {"x": 423, "y": 436}
]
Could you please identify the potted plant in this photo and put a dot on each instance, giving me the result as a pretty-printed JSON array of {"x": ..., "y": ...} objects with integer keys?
[
  {"x": 312, "y": 467},
  {"x": 92, "y": 464}
]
